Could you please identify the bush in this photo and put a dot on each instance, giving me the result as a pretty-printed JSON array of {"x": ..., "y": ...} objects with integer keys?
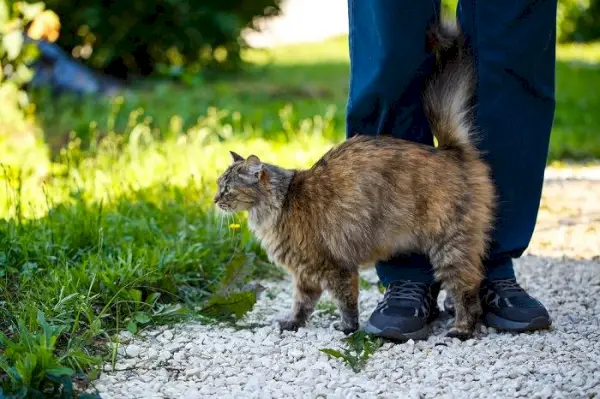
[
  {"x": 578, "y": 20},
  {"x": 144, "y": 36},
  {"x": 15, "y": 55}
]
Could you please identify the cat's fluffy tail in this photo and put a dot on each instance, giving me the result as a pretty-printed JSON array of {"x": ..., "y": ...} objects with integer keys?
[{"x": 448, "y": 91}]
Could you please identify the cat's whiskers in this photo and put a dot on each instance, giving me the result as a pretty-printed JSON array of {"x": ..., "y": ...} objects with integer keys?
[
  {"x": 230, "y": 225},
  {"x": 221, "y": 216}
]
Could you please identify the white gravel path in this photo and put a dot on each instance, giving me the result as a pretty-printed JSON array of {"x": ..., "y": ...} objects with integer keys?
[{"x": 198, "y": 361}]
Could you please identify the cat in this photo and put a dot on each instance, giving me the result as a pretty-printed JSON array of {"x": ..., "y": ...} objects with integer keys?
[{"x": 371, "y": 197}]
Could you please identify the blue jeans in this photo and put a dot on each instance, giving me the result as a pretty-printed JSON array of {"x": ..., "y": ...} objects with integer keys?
[{"x": 514, "y": 43}]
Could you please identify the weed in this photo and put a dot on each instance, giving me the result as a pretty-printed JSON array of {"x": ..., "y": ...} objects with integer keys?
[
  {"x": 364, "y": 284},
  {"x": 359, "y": 347},
  {"x": 31, "y": 367}
]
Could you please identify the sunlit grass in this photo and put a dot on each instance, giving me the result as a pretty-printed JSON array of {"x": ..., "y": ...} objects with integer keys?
[
  {"x": 330, "y": 50},
  {"x": 579, "y": 52},
  {"x": 35, "y": 184}
]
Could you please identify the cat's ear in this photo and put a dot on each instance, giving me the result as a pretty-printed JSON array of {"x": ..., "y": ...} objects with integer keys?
[
  {"x": 253, "y": 160},
  {"x": 235, "y": 157},
  {"x": 254, "y": 166},
  {"x": 257, "y": 169}
]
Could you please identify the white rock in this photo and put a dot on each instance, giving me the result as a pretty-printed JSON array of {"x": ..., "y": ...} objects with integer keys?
[
  {"x": 133, "y": 350},
  {"x": 191, "y": 394},
  {"x": 172, "y": 347},
  {"x": 193, "y": 371},
  {"x": 152, "y": 353},
  {"x": 295, "y": 353}
]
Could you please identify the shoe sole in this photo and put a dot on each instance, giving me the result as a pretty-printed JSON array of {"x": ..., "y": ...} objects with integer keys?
[
  {"x": 499, "y": 323},
  {"x": 396, "y": 334}
]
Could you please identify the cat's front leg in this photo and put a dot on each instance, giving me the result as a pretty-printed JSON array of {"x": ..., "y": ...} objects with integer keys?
[
  {"x": 305, "y": 300},
  {"x": 343, "y": 287}
]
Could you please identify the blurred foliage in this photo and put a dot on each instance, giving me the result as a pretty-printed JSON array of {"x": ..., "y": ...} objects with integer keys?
[
  {"x": 576, "y": 20},
  {"x": 141, "y": 37},
  {"x": 15, "y": 55}
]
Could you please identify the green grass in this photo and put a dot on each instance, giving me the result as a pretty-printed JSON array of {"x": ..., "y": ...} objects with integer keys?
[
  {"x": 126, "y": 238},
  {"x": 106, "y": 221},
  {"x": 295, "y": 83},
  {"x": 576, "y": 133}
]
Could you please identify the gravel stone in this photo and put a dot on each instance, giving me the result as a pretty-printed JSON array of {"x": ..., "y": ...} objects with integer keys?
[
  {"x": 133, "y": 350},
  {"x": 561, "y": 268},
  {"x": 152, "y": 353}
]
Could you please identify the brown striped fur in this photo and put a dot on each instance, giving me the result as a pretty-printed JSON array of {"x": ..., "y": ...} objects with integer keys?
[{"x": 369, "y": 198}]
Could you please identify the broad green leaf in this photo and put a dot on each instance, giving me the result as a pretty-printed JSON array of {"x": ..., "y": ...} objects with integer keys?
[
  {"x": 136, "y": 295},
  {"x": 234, "y": 305},
  {"x": 152, "y": 298},
  {"x": 132, "y": 327},
  {"x": 333, "y": 353},
  {"x": 142, "y": 317},
  {"x": 60, "y": 371},
  {"x": 25, "y": 367}
]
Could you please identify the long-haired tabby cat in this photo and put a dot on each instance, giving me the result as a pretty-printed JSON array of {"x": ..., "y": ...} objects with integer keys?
[{"x": 372, "y": 197}]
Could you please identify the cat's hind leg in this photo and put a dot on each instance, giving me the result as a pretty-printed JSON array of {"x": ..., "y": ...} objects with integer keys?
[
  {"x": 457, "y": 265},
  {"x": 342, "y": 284}
]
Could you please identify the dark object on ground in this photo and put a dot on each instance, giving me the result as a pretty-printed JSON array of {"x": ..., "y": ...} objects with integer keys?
[{"x": 57, "y": 70}]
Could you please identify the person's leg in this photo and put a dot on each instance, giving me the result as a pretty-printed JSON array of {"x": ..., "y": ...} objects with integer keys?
[
  {"x": 513, "y": 42},
  {"x": 388, "y": 64}
]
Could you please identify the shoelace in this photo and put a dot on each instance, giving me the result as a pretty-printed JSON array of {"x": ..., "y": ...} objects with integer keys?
[
  {"x": 405, "y": 290},
  {"x": 506, "y": 286}
]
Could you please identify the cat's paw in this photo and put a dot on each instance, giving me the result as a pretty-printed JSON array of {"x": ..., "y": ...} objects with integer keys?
[
  {"x": 288, "y": 325},
  {"x": 461, "y": 334},
  {"x": 344, "y": 327}
]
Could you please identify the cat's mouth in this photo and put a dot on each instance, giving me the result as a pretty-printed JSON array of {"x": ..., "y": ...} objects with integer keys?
[{"x": 224, "y": 207}]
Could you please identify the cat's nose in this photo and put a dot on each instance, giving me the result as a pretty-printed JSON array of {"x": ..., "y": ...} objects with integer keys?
[{"x": 216, "y": 198}]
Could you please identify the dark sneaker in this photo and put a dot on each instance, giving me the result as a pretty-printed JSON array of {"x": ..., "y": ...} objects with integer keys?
[
  {"x": 405, "y": 310},
  {"x": 507, "y": 306}
]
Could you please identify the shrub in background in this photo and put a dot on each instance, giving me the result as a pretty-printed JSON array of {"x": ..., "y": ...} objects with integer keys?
[
  {"x": 141, "y": 37},
  {"x": 578, "y": 20},
  {"x": 15, "y": 55}
]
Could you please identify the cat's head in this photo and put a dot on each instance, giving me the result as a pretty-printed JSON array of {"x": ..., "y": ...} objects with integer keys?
[{"x": 243, "y": 185}]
